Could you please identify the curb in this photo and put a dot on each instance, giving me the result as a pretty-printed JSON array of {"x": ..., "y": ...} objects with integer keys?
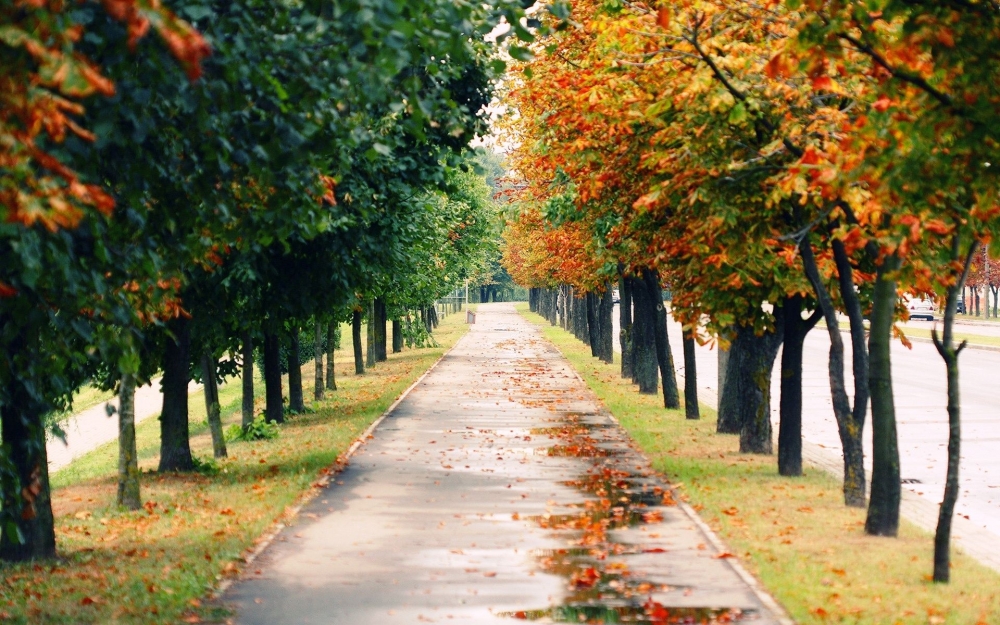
[
  {"x": 323, "y": 481},
  {"x": 762, "y": 595}
]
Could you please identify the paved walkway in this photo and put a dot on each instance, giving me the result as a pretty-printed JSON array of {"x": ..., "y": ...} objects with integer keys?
[
  {"x": 496, "y": 490},
  {"x": 89, "y": 429}
]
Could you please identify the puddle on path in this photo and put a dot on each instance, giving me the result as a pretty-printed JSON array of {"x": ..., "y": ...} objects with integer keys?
[{"x": 615, "y": 494}]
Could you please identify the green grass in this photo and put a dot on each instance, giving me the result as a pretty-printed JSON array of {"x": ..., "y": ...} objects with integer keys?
[
  {"x": 159, "y": 564},
  {"x": 794, "y": 534}
]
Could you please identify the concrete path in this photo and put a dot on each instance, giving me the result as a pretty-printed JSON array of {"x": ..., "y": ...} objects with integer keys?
[
  {"x": 497, "y": 490},
  {"x": 922, "y": 424},
  {"x": 89, "y": 429}
]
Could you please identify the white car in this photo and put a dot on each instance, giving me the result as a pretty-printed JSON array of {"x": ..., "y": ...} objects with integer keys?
[{"x": 921, "y": 308}]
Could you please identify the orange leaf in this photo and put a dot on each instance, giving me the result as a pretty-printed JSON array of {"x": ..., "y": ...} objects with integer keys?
[{"x": 663, "y": 17}]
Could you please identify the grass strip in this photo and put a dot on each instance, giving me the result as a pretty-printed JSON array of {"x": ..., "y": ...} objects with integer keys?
[
  {"x": 794, "y": 534},
  {"x": 158, "y": 565}
]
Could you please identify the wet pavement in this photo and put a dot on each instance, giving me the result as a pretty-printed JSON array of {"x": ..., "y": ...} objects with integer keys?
[{"x": 498, "y": 491}]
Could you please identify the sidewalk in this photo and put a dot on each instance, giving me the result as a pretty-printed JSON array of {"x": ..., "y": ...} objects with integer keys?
[
  {"x": 91, "y": 428},
  {"x": 496, "y": 490}
]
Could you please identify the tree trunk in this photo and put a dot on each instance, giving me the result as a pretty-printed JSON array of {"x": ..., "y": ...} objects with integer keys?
[
  {"x": 946, "y": 347},
  {"x": 432, "y": 310},
  {"x": 723, "y": 368},
  {"x": 175, "y": 446},
  {"x": 27, "y": 498},
  {"x": 213, "y": 411},
  {"x": 331, "y": 353},
  {"x": 691, "y": 410},
  {"x": 370, "y": 335},
  {"x": 381, "y": 337},
  {"x": 625, "y": 325},
  {"x": 605, "y": 318},
  {"x": 128, "y": 462},
  {"x": 274, "y": 408},
  {"x": 853, "y": 424},
  {"x": 296, "y": 400},
  {"x": 644, "y": 361},
  {"x": 664, "y": 357},
  {"x": 247, "y": 374},
  {"x": 790, "y": 423},
  {"x": 319, "y": 383},
  {"x": 883, "y": 507},
  {"x": 593, "y": 330},
  {"x": 745, "y": 405},
  {"x": 397, "y": 336},
  {"x": 359, "y": 360}
]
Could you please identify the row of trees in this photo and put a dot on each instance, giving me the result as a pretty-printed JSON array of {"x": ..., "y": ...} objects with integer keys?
[
  {"x": 774, "y": 163},
  {"x": 256, "y": 169}
]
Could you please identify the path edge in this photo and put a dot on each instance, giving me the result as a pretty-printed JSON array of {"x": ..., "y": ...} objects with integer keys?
[
  {"x": 324, "y": 480},
  {"x": 766, "y": 599}
]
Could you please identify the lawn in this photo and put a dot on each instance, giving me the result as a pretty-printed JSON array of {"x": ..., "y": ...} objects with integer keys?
[
  {"x": 794, "y": 534},
  {"x": 161, "y": 564}
]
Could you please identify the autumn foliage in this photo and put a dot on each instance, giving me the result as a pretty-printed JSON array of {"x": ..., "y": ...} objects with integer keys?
[{"x": 43, "y": 82}]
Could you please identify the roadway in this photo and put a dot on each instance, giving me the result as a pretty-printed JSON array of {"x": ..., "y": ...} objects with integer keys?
[{"x": 922, "y": 422}]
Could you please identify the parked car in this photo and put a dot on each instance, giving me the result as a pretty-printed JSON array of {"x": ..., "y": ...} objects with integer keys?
[
  {"x": 920, "y": 308},
  {"x": 960, "y": 309},
  {"x": 615, "y": 297}
]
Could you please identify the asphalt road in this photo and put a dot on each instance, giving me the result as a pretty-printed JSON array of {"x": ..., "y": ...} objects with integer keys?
[{"x": 920, "y": 394}]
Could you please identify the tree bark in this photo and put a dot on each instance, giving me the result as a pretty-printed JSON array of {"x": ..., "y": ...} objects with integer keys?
[
  {"x": 946, "y": 347},
  {"x": 319, "y": 383},
  {"x": 296, "y": 400},
  {"x": 625, "y": 325},
  {"x": 883, "y": 507},
  {"x": 790, "y": 423},
  {"x": 381, "y": 337},
  {"x": 723, "y": 368},
  {"x": 331, "y": 353},
  {"x": 664, "y": 357},
  {"x": 27, "y": 499},
  {"x": 397, "y": 336},
  {"x": 213, "y": 411},
  {"x": 274, "y": 408},
  {"x": 175, "y": 446},
  {"x": 370, "y": 335},
  {"x": 606, "y": 330},
  {"x": 247, "y": 375},
  {"x": 359, "y": 360},
  {"x": 745, "y": 405},
  {"x": 691, "y": 410},
  {"x": 128, "y": 462},
  {"x": 593, "y": 330},
  {"x": 644, "y": 360},
  {"x": 855, "y": 483}
]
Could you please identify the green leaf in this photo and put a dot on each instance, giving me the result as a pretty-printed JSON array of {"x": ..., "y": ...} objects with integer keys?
[{"x": 738, "y": 114}]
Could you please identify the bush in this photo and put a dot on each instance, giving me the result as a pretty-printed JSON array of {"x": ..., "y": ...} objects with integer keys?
[{"x": 257, "y": 431}]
